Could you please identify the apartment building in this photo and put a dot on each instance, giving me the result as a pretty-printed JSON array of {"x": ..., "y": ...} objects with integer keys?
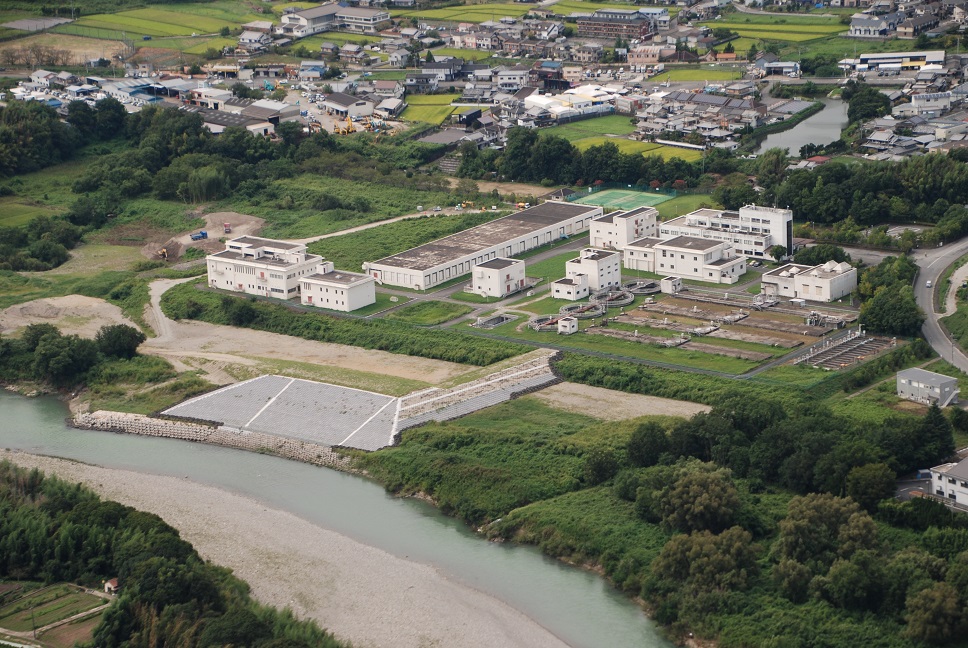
[
  {"x": 259, "y": 266},
  {"x": 616, "y": 23}
]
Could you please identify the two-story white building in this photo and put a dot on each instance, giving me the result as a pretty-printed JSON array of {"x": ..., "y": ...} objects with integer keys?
[
  {"x": 753, "y": 230},
  {"x": 927, "y": 387},
  {"x": 259, "y": 266},
  {"x": 358, "y": 19},
  {"x": 824, "y": 283},
  {"x": 336, "y": 289},
  {"x": 498, "y": 277},
  {"x": 686, "y": 257},
  {"x": 591, "y": 270},
  {"x": 950, "y": 481},
  {"x": 307, "y": 22},
  {"x": 616, "y": 230}
]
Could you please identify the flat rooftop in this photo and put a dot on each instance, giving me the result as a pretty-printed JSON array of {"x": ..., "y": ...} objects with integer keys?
[
  {"x": 691, "y": 243},
  {"x": 232, "y": 255},
  {"x": 645, "y": 243},
  {"x": 338, "y": 277},
  {"x": 924, "y": 376},
  {"x": 610, "y": 218},
  {"x": 486, "y": 236},
  {"x": 594, "y": 255},
  {"x": 499, "y": 264},
  {"x": 256, "y": 241}
]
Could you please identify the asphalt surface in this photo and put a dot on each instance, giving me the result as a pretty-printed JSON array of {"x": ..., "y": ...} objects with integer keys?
[{"x": 933, "y": 262}]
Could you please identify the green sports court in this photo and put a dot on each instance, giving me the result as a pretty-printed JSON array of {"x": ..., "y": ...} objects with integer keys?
[{"x": 623, "y": 198}]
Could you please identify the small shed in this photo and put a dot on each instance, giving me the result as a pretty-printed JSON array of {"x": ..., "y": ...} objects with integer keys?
[
  {"x": 111, "y": 586},
  {"x": 671, "y": 285},
  {"x": 567, "y": 325}
]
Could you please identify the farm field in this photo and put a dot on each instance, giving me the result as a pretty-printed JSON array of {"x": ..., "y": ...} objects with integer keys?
[
  {"x": 45, "y": 606},
  {"x": 470, "y": 13},
  {"x": 388, "y": 75},
  {"x": 82, "y": 48},
  {"x": 610, "y": 125},
  {"x": 154, "y": 22},
  {"x": 645, "y": 148},
  {"x": 699, "y": 74},
  {"x": 281, "y": 7},
  {"x": 228, "y": 11},
  {"x": 566, "y": 7},
  {"x": 466, "y": 54},
  {"x": 432, "y": 100}
]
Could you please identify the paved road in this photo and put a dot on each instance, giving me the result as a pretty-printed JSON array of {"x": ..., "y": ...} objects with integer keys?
[{"x": 932, "y": 263}]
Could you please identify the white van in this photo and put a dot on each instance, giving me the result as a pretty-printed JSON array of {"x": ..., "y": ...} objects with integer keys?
[{"x": 928, "y": 283}]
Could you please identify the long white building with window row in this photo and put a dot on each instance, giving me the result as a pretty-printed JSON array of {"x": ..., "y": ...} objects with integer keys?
[{"x": 258, "y": 266}]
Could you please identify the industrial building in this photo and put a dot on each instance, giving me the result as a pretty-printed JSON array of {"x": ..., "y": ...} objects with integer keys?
[
  {"x": 893, "y": 60},
  {"x": 259, "y": 266},
  {"x": 453, "y": 256},
  {"x": 337, "y": 290},
  {"x": 498, "y": 277},
  {"x": 616, "y": 230},
  {"x": 753, "y": 230},
  {"x": 927, "y": 387},
  {"x": 686, "y": 257},
  {"x": 824, "y": 283},
  {"x": 591, "y": 270}
]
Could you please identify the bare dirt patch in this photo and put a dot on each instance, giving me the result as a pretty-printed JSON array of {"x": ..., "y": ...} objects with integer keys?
[
  {"x": 505, "y": 188},
  {"x": 72, "y": 314},
  {"x": 242, "y": 224},
  {"x": 610, "y": 405},
  {"x": 81, "y": 49}
]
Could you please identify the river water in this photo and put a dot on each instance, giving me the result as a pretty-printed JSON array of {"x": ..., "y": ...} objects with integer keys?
[
  {"x": 821, "y": 128},
  {"x": 577, "y": 606}
]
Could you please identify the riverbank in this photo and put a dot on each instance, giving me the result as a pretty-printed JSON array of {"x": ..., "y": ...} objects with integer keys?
[{"x": 359, "y": 593}]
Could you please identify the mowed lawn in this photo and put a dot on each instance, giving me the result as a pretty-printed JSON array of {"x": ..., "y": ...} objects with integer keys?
[
  {"x": 645, "y": 148},
  {"x": 684, "y": 204},
  {"x": 610, "y": 125},
  {"x": 466, "y": 54},
  {"x": 430, "y": 109}
]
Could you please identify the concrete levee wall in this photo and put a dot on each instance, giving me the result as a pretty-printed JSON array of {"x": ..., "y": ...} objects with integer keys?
[{"x": 124, "y": 423}]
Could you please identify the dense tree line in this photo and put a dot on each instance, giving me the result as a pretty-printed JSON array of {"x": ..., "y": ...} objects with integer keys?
[
  {"x": 54, "y": 531},
  {"x": 889, "y": 304},
  {"x": 43, "y": 354}
]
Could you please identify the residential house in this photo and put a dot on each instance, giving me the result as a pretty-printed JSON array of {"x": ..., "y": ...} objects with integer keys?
[
  {"x": 914, "y": 27},
  {"x": 866, "y": 25},
  {"x": 254, "y": 41},
  {"x": 421, "y": 82}
]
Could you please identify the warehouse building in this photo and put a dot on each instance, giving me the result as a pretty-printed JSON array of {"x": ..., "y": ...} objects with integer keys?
[
  {"x": 453, "y": 256},
  {"x": 259, "y": 266}
]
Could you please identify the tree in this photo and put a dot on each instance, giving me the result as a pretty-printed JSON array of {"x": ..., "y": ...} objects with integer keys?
[
  {"x": 119, "y": 340},
  {"x": 857, "y": 583},
  {"x": 818, "y": 254},
  {"x": 935, "y": 615},
  {"x": 63, "y": 359},
  {"x": 648, "y": 442},
  {"x": 703, "y": 561},
  {"x": 735, "y": 191},
  {"x": 729, "y": 49},
  {"x": 702, "y": 498},
  {"x": 771, "y": 169},
  {"x": 600, "y": 465},
  {"x": 111, "y": 117},
  {"x": 430, "y": 57},
  {"x": 81, "y": 116},
  {"x": 893, "y": 311},
  {"x": 869, "y": 484},
  {"x": 818, "y": 529},
  {"x": 752, "y": 52},
  {"x": 777, "y": 252}
]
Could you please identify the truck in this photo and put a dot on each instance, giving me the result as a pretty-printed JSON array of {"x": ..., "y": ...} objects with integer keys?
[
  {"x": 227, "y": 228},
  {"x": 199, "y": 236}
]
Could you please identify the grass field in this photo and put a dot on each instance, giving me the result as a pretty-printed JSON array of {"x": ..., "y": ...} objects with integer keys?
[
  {"x": 684, "y": 204},
  {"x": 699, "y": 74},
  {"x": 623, "y": 199},
  {"x": 312, "y": 43},
  {"x": 432, "y": 100},
  {"x": 46, "y": 606},
  {"x": 466, "y": 54},
  {"x": 155, "y": 22},
  {"x": 610, "y": 125},
  {"x": 230, "y": 11},
  {"x": 566, "y": 7},
  {"x": 427, "y": 114},
  {"x": 429, "y": 313},
  {"x": 388, "y": 75},
  {"x": 469, "y": 13},
  {"x": 15, "y": 214},
  {"x": 645, "y": 148}
]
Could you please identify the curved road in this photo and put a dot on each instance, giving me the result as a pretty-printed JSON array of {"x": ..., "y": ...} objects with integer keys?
[{"x": 932, "y": 263}]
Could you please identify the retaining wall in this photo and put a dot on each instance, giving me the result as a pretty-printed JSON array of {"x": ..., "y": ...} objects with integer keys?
[{"x": 123, "y": 423}]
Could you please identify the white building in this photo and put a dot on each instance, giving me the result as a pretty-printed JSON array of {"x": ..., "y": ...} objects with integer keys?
[
  {"x": 571, "y": 288},
  {"x": 753, "y": 230},
  {"x": 304, "y": 23},
  {"x": 616, "y": 230},
  {"x": 336, "y": 289},
  {"x": 602, "y": 268},
  {"x": 498, "y": 277},
  {"x": 258, "y": 266},
  {"x": 453, "y": 256},
  {"x": 362, "y": 20},
  {"x": 686, "y": 257},
  {"x": 824, "y": 283},
  {"x": 927, "y": 387},
  {"x": 950, "y": 481}
]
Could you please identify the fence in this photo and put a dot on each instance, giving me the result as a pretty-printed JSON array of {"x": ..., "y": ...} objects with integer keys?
[{"x": 592, "y": 189}]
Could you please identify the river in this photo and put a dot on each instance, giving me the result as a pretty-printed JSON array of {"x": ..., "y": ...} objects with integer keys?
[
  {"x": 821, "y": 128},
  {"x": 577, "y": 606}
]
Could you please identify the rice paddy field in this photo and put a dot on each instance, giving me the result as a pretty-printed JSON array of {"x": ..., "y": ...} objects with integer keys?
[
  {"x": 154, "y": 22},
  {"x": 476, "y": 13},
  {"x": 566, "y": 7},
  {"x": 699, "y": 74},
  {"x": 466, "y": 54},
  {"x": 312, "y": 43},
  {"x": 575, "y": 131}
]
